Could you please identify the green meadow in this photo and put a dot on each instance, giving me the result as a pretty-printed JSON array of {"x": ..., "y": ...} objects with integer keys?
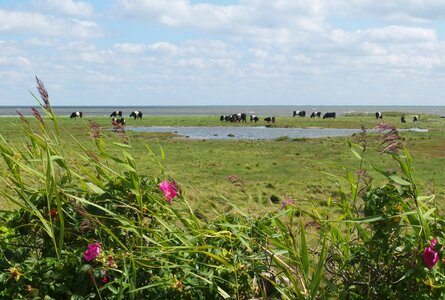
[
  {"x": 257, "y": 175},
  {"x": 108, "y": 213}
]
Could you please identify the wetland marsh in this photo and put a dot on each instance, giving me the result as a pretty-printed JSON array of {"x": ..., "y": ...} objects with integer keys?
[{"x": 266, "y": 171}]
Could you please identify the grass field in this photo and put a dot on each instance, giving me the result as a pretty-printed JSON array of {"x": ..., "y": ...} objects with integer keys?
[{"x": 261, "y": 173}]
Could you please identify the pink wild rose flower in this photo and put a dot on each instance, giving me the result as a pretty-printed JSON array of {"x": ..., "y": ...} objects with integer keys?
[
  {"x": 169, "y": 189},
  {"x": 430, "y": 257},
  {"x": 92, "y": 252}
]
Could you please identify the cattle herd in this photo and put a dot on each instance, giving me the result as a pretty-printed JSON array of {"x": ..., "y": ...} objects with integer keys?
[
  {"x": 116, "y": 116},
  {"x": 242, "y": 117},
  {"x": 118, "y": 119}
]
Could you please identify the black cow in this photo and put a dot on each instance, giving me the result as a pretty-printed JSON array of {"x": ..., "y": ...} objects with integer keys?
[
  {"x": 300, "y": 113},
  {"x": 243, "y": 118},
  {"x": 117, "y": 113},
  {"x": 402, "y": 119},
  {"x": 118, "y": 121},
  {"x": 329, "y": 115},
  {"x": 76, "y": 114},
  {"x": 378, "y": 115},
  {"x": 316, "y": 113},
  {"x": 222, "y": 118},
  {"x": 270, "y": 119},
  {"x": 136, "y": 114},
  {"x": 415, "y": 118},
  {"x": 254, "y": 118}
]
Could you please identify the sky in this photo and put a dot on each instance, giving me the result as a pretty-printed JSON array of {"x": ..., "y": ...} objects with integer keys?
[{"x": 223, "y": 52}]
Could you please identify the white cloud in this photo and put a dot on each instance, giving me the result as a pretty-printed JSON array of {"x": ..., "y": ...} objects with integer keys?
[
  {"x": 160, "y": 47},
  {"x": 416, "y": 11},
  {"x": 259, "y": 53},
  {"x": 254, "y": 49},
  {"x": 399, "y": 34},
  {"x": 45, "y": 25},
  {"x": 77, "y": 46},
  {"x": 69, "y": 7},
  {"x": 130, "y": 48},
  {"x": 41, "y": 42},
  {"x": 306, "y": 15},
  {"x": 96, "y": 77},
  {"x": 164, "y": 48}
]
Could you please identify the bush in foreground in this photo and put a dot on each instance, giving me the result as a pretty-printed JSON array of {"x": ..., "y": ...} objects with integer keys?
[{"x": 106, "y": 230}]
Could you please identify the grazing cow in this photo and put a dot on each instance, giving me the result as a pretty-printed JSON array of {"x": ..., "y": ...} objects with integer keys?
[
  {"x": 300, "y": 113},
  {"x": 316, "y": 113},
  {"x": 232, "y": 118},
  {"x": 117, "y": 113},
  {"x": 329, "y": 115},
  {"x": 254, "y": 118},
  {"x": 402, "y": 119},
  {"x": 118, "y": 121},
  {"x": 226, "y": 118},
  {"x": 76, "y": 114},
  {"x": 243, "y": 118},
  {"x": 136, "y": 114},
  {"x": 270, "y": 119},
  {"x": 378, "y": 115},
  {"x": 415, "y": 118}
]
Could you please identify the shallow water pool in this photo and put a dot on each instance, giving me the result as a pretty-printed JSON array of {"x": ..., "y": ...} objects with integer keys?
[{"x": 250, "y": 133}]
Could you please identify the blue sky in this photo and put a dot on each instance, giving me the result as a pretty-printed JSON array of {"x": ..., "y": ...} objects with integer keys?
[{"x": 247, "y": 52}]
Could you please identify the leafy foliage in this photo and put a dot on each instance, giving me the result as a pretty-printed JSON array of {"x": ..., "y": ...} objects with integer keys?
[{"x": 107, "y": 230}]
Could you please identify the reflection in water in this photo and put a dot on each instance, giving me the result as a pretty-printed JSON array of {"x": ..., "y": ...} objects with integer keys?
[{"x": 252, "y": 133}]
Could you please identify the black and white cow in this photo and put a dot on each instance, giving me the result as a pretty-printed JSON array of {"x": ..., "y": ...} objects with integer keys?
[
  {"x": 300, "y": 113},
  {"x": 316, "y": 114},
  {"x": 269, "y": 119},
  {"x": 235, "y": 118},
  {"x": 378, "y": 115},
  {"x": 136, "y": 114},
  {"x": 226, "y": 118},
  {"x": 76, "y": 114},
  {"x": 329, "y": 115},
  {"x": 232, "y": 118},
  {"x": 402, "y": 119},
  {"x": 116, "y": 113},
  {"x": 254, "y": 118},
  {"x": 118, "y": 121},
  {"x": 415, "y": 118}
]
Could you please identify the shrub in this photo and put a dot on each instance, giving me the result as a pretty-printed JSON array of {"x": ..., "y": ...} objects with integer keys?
[
  {"x": 105, "y": 230},
  {"x": 378, "y": 241}
]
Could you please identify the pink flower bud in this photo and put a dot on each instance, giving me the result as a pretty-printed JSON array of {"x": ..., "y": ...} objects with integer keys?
[{"x": 430, "y": 257}]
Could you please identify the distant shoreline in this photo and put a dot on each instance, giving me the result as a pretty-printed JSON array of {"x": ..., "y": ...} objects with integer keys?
[{"x": 260, "y": 110}]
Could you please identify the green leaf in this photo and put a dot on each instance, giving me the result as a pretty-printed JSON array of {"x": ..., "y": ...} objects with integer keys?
[
  {"x": 303, "y": 251},
  {"x": 351, "y": 147},
  {"x": 223, "y": 293},
  {"x": 95, "y": 188},
  {"x": 399, "y": 180},
  {"x": 85, "y": 268},
  {"x": 216, "y": 257},
  {"x": 122, "y": 145},
  {"x": 113, "y": 289}
]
